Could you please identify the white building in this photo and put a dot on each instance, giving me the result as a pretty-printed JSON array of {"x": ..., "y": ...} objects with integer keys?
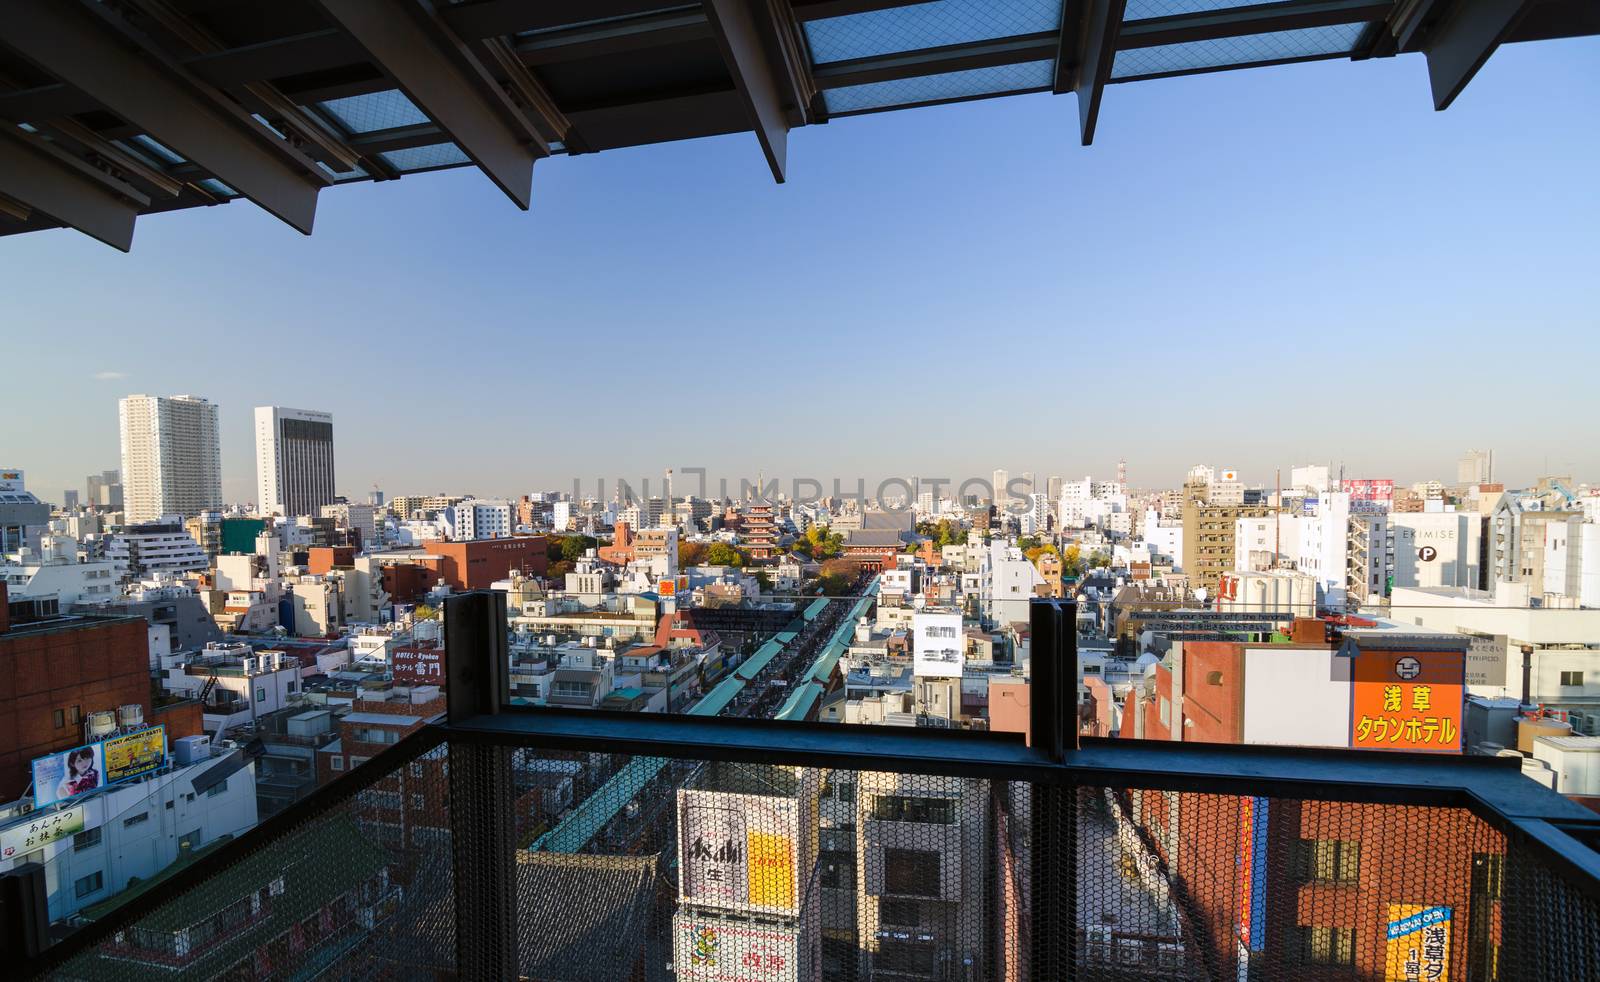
[
  {"x": 294, "y": 461},
  {"x": 1437, "y": 549},
  {"x": 362, "y": 518},
  {"x": 561, "y": 516},
  {"x": 163, "y": 546},
  {"x": 134, "y": 830},
  {"x": 484, "y": 518},
  {"x": 171, "y": 457},
  {"x": 55, "y": 570}
]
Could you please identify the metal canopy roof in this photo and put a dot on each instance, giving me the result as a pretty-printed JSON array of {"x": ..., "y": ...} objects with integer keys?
[{"x": 113, "y": 110}]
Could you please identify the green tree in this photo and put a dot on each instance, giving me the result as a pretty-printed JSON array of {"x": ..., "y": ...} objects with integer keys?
[
  {"x": 1099, "y": 560},
  {"x": 722, "y": 554},
  {"x": 558, "y": 570},
  {"x": 574, "y": 546},
  {"x": 1028, "y": 542},
  {"x": 1072, "y": 563},
  {"x": 765, "y": 579},
  {"x": 822, "y": 542}
]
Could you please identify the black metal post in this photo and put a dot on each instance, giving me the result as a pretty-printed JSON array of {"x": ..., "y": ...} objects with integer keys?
[
  {"x": 1053, "y": 822},
  {"x": 482, "y": 799},
  {"x": 24, "y": 913}
]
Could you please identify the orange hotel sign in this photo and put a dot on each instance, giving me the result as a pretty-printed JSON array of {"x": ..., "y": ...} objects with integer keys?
[{"x": 1408, "y": 700}]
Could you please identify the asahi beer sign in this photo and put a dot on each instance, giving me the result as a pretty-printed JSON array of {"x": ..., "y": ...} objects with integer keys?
[{"x": 740, "y": 851}]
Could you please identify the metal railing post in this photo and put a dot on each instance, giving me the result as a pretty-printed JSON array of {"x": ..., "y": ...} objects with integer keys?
[
  {"x": 1052, "y": 722},
  {"x": 24, "y": 913},
  {"x": 482, "y": 798}
]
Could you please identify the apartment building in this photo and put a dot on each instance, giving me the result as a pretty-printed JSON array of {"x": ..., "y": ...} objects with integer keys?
[{"x": 171, "y": 457}]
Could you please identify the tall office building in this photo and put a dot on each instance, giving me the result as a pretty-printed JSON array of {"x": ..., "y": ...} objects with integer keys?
[
  {"x": 171, "y": 457},
  {"x": 294, "y": 461},
  {"x": 1002, "y": 477},
  {"x": 1475, "y": 467},
  {"x": 104, "y": 490}
]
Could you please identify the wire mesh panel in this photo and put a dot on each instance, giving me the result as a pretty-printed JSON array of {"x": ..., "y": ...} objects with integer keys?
[{"x": 355, "y": 892}]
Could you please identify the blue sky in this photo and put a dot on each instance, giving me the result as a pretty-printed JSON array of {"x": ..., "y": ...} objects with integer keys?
[{"x": 1249, "y": 269}]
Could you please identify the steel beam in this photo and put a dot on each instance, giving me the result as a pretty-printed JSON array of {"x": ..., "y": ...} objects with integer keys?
[
  {"x": 492, "y": 18},
  {"x": 1464, "y": 40},
  {"x": 806, "y": 10},
  {"x": 747, "y": 33},
  {"x": 80, "y": 46},
  {"x": 1096, "y": 51},
  {"x": 49, "y": 180},
  {"x": 1211, "y": 25},
  {"x": 936, "y": 61},
  {"x": 438, "y": 72},
  {"x": 613, "y": 38}
]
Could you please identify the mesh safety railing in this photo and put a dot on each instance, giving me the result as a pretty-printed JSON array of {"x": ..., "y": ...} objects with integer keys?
[{"x": 584, "y": 864}]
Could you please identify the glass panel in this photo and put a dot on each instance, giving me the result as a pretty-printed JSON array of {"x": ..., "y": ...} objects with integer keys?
[
  {"x": 375, "y": 111},
  {"x": 1224, "y": 52},
  {"x": 422, "y": 158},
  {"x": 1026, "y": 77},
  {"x": 1144, "y": 9},
  {"x": 927, "y": 25},
  {"x": 156, "y": 148},
  {"x": 217, "y": 187}
]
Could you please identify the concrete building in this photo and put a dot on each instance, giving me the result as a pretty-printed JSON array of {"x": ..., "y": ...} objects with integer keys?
[
  {"x": 1438, "y": 549},
  {"x": 157, "y": 547},
  {"x": 294, "y": 461},
  {"x": 103, "y": 491},
  {"x": 171, "y": 457},
  {"x": 1210, "y": 533},
  {"x": 484, "y": 518}
]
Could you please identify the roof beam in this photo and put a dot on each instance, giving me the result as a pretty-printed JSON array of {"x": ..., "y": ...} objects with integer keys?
[
  {"x": 1211, "y": 25},
  {"x": 806, "y": 10},
  {"x": 750, "y": 35},
  {"x": 1090, "y": 42},
  {"x": 936, "y": 61},
  {"x": 79, "y": 44},
  {"x": 1463, "y": 41},
  {"x": 438, "y": 72},
  {"x": 46, "y": 179},
  {"x": 613, "y": 38},
  {"x": 492, "y": 18}
]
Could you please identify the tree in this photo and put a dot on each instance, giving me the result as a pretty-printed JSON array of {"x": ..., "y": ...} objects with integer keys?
[
  {"x": 1072, "y": 563},
  {"x": 822, "y": 543},
  {"x": 722, "y": 554},
  {"x": 1028, "y": 542},
  {"x": 765, "y": 579},
  {"x": 574, "y": 546},
  {"x": 1099, "y": 560},
  {"x": 425, "y": 613},
  {"x": 558, "y": 570},
  {"x": 691, "y": 554},
  {"x": 1037, "y": 551}
]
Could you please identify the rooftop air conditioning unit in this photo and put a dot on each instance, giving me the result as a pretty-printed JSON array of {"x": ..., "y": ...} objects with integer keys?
[
  {"x": 101, "y": 723},
  {"x": 131, "y": 715}
]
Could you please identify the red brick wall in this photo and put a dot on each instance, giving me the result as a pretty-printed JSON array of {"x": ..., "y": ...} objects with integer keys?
[
  {"x": 477, "y": 564},
  {"x": 325, "y": 558},
  {"x": 93, "y": 666},
  {"x": 180, "y": 718},
  {"x": 1216, "y": 709}
]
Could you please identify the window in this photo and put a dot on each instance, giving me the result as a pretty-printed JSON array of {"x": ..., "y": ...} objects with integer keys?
[
  {"x": 901, "y": 913},
  {"x": 261, "y": 694},
  {"x": 133, "y": 820},
  {"x": 88, "y": 884},
  {"x": 1571, "y": 678},
  {"x": 219, "y": 788},
  {"x": 902, "y": 808},
  {"x": 60, "y": 718},
  {"x": 336, "y": 762},
  {"x": 87, "y": 839},
  {"x": 417, "y": 802},
  {"x": 906, "y": 958},
  {"x": 911, "y": 872},
  {"x": 75, "y": 715},
  {"x": 1328, "y": 945},
  {"x": 838, "y": 869},
  {"x": 1330, "y": 860}
]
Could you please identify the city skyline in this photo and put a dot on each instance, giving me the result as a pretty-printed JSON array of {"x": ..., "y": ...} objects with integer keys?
[{"x": 1125, "y": 309}]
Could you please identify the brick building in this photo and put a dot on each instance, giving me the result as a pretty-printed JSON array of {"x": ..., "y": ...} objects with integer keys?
[
  {"x": 476, "y": 564},
  {"x": 54, "y": 672}
]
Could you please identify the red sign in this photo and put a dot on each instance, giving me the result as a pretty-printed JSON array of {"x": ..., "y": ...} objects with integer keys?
[{"x": 419, "y": 665}]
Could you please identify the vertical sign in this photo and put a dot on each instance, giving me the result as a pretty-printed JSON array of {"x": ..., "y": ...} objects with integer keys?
[
  {"x": 1418, "y": 940},
  {"x": 739, "y": 851}
]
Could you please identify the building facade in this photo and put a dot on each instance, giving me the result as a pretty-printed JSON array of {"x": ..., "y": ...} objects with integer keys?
[
  {"x": 171, "y": 457},
  {"x": 294, "y": 461}
]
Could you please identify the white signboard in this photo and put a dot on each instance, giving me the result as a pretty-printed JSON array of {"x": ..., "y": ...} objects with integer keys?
[
  {"x": 41, "y": 829},
  {"x": 740, "y": 851},
  {"x": 710, "y": 949},
  {"x": 938, "y": 645},
  {"x": 11, "y": 479}
]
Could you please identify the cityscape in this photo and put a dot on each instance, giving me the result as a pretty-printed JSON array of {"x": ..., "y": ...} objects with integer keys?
[
  {"x": 799, "y": 490},
  {"x": 231, "y": 659}
]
